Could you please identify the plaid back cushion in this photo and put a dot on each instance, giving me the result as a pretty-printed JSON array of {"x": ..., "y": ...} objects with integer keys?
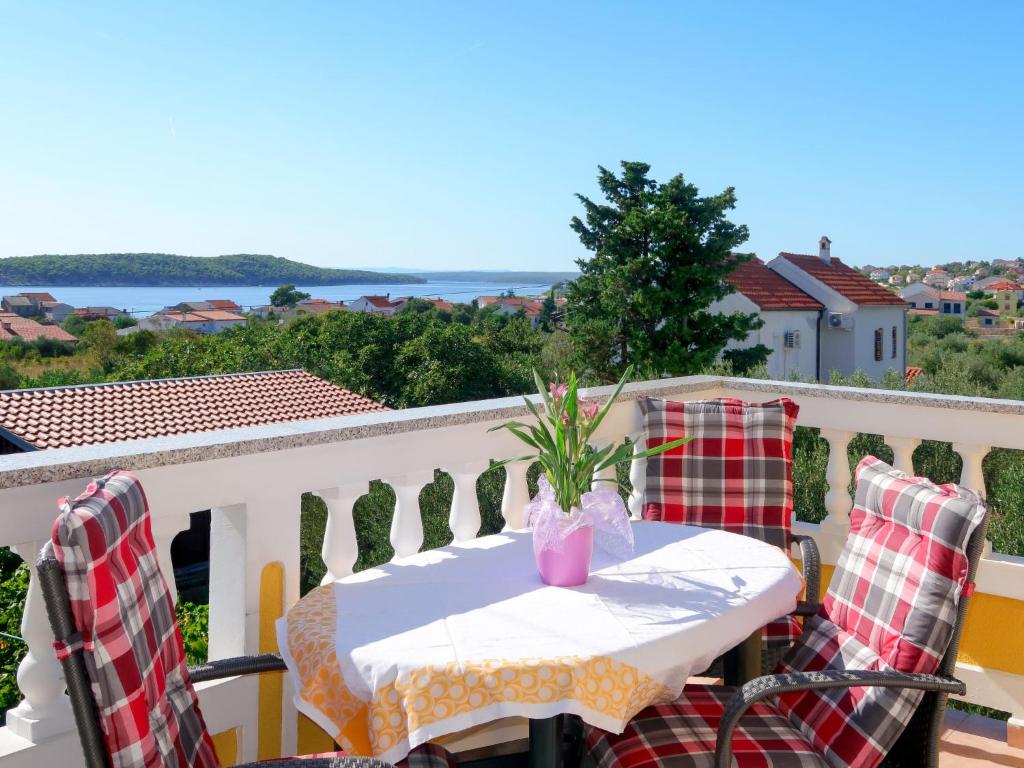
[
  {"x": 891, "y": 605},
  {"x": 736, "y": 473},
  {"x": 128, "y": 632}
]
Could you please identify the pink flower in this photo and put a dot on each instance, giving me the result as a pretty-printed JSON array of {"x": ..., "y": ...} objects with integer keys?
[
  {"x": 565, "y": 418},
  {"x": 589, "y": 408},
  {"x": 557, "y": 390}
]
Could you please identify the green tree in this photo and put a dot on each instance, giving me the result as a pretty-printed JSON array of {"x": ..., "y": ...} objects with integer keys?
[
  {"x": 661, "y": 253},
  {"x": 548, "y": 311},
  {"x": 100, "y": 337},
  {"x": 9, "y": 377},
  {"x": 74, "y": 324},
  {"x": 287, "y": 296}
]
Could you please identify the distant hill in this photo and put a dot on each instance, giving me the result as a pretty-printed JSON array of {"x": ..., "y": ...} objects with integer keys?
[
  {"x": 497, "y": 276},
  {"x": 143, "y": 269}
]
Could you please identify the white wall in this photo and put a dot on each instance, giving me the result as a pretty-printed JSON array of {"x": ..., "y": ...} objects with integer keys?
[
  {"x": 847, "y": 351},
  {"x": 782, "y": 362}
]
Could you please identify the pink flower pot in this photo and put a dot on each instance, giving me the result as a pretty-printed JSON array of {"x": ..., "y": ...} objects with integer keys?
[{"x": 568, "y": 566}]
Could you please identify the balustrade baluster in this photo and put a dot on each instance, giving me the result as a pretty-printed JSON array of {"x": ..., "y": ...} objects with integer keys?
[
  {"x": 838, "y": 500},
  {"x": 971, "y": 475},
  {"x": 903, "y": 452},
  {"x": 516, "y": 495},
  {"x": 407, "y": 525},
  {"x": 464, "y": 517},
  {"x": 638, "y": 477},
  {"x": 340, "y": 548},
  {"x": 44, "y": 712},
  {"x": 604, "y": 478}
]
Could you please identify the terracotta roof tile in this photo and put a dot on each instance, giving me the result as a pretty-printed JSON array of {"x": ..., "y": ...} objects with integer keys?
[
  {"x": 768, "y": 289},
  {"x": 60, "y": 417},
  {"x": 843, "y": 280},
  {"x": 1005, "y": 285}
]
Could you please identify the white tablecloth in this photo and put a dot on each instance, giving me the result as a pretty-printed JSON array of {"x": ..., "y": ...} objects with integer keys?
[{"x": 397, "y": 655}]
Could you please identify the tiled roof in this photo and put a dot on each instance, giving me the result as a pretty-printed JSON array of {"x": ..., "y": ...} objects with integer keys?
[
  {"x": 382, "y": 302},
  {"x": 15, "y": 326},
  {"x": 39, "y": 296},
  {"x": 843, "y": 280},
  {"x": 952, "y": 296},
  {"x": 18, "y": 300},
  {"x": 925, "y": 312},
  {"x": 201, "y": 316},
  {"x": 768, "y": 289},
  {"x": 61, "y": 417},
  {"x": 987, "y": 313},
  {"x": 227, "y": 304},
  {"x": 1005, "y": 285}
]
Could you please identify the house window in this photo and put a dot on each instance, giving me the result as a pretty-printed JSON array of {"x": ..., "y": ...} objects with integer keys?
[
  {"x": 947, "y": 308},
  {"x": 878, "y": 344},
  {"x": 929, "y": 305},
  {"x": 894, "y": 342}
]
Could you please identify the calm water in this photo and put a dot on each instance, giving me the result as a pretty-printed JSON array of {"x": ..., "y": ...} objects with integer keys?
[{"x": 144, "y": 301}]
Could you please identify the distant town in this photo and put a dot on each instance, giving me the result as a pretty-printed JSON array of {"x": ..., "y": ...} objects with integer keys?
[{"x": 30, "y": 316}]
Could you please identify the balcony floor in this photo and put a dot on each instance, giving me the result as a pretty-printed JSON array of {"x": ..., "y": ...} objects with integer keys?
[{"x": 972, "y": 740}]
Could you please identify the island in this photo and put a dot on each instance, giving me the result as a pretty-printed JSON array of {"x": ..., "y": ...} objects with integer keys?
[{"x": 168, "y": 269}]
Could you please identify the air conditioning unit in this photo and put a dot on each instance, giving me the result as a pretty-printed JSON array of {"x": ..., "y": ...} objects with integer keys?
[
  {"x": 791, "y": 340},
  {"x": 840, "y": 320}
]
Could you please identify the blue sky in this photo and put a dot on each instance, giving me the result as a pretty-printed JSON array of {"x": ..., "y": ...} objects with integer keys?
[{"x": 453, "y": 135}]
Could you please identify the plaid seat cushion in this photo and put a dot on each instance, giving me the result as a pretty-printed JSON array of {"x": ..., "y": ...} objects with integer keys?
[
  {"x": 128, "y": 632},
  {"x": 683, "y": 733},
  {"x": 736, "y": 473},
  {"x": 891, "y": 605}
]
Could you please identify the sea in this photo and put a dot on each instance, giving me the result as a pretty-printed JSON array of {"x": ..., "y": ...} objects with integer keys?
[{"x": 144, "y": 301}]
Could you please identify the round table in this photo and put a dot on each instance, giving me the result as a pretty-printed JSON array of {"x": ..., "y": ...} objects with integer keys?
[{"x": 428, "y": 645}]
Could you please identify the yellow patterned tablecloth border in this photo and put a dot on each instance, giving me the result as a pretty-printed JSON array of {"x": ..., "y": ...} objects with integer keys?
[{"x": 430, "y": 695}]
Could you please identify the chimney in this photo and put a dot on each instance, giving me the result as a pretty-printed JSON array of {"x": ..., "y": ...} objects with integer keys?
[{"x": 824, "y": 249}]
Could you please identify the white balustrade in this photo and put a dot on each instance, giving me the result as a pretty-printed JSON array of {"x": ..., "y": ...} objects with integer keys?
[
  {"x": 903, "y": 452},
  {"x": 838, "y": 501},
  {"x": 464, "y": 517},
  {"x": 971, "y": 474},
  {"x": 407, "y": 524},
  {"x": 637, "y": 477},
  {"x": 340, "y": 549},
  {"x": 254, "y": 493},
  {"x": 516, "y": 495},
  {"x": 44, "y": 712}
]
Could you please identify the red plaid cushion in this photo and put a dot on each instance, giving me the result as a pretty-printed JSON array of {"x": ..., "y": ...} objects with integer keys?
[
  {"x": 891, "y": 605},
  {"x": 683, "y": 733},
  {"x": 736, "y": 473},
  {"x": 123, "y": 612}
]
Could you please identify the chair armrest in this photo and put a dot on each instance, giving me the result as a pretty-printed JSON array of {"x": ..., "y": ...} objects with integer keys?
[
  {"x": 810, "y": 561},
  {"x": 805, "y": 608},
  {"x": 337, "y": 761},
  {"x": 769, "y": 686},
  {"x": 238, "y": 665}
]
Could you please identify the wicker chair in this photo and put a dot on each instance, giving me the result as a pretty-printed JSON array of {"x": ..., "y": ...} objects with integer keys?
[
  {"x": 705, "y": 483},
  {"x": 848, "y": 693},
  {"x": 113, "y": 622}
]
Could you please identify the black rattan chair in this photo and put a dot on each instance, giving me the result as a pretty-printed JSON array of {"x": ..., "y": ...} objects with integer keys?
[
  {"x": 128, "y": 651},
  {"x": 898, "y": 600}
]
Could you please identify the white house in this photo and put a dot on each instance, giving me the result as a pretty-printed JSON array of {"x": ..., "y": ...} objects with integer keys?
[
  {"x": 896, "y": 280},
  {"x": 927, "y": 299},
  {"x": 937, "y": 277},
  {"x": 790, "y": 316},
  {"x": 213, "y": 321},
  {"x": 879, "y": 275},
  {"x": 863, "y": 325},
  {"x": 382, "y": 305}
]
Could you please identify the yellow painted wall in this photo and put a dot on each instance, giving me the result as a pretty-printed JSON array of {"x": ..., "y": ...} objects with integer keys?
[
  {"x": 271, "y": 685},
  {"x": 225, "y": 744},
  {"x": 312, "y": 738}
]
